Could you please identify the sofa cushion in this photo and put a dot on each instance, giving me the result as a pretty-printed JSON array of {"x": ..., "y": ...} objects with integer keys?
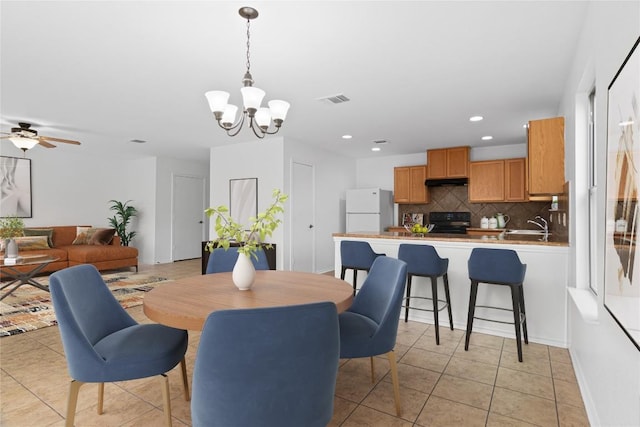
[
  {"x": 28, "y": 243},
  {"x": 93, "y": 253},
  {"x": 102, "y": 236},
  {"x": 82, "y": 236},
  {"x": 40, "y": 232}
]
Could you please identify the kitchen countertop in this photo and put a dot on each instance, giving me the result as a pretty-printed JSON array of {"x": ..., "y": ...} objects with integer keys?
[{"x": 514, "y": 239}]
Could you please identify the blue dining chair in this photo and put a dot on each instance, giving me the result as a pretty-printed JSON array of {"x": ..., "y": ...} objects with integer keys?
[
  {"x": 498, "y": 267},
  {"x": 424, "y": 261},
  {"x": 222, "y": 260},
  {"x": 370, "y": 326},
  {"x": 103, "y": 343},
  {"x": 356, "y": 255},
  {"x": 268, "y": 367}
]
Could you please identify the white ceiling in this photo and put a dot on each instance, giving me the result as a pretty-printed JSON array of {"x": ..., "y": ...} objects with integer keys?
[{"x": 108, "y": 72}]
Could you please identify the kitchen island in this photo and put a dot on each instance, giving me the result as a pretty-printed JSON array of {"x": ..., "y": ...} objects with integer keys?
[{"x": 544, "y": 285}]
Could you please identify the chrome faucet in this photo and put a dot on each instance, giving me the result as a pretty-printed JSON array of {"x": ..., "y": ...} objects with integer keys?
[{"x": 542, "y": 225}]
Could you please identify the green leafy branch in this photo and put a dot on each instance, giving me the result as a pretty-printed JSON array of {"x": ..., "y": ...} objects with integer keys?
[{"x": 249, "y": 240}]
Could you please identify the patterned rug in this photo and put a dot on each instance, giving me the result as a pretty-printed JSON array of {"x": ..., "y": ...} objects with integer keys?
[{"x": 29, "y": 308}]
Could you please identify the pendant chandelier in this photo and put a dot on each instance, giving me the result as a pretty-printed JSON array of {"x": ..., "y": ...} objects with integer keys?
[{"x": 259, "y": 118}]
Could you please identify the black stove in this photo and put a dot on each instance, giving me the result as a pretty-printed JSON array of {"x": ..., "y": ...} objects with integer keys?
[{"x": 450, "y": 222}]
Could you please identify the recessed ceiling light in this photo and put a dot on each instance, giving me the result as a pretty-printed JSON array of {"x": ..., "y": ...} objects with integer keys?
[
  {"x": 487, "y": 138},
  {"x": 347, "y": 136},
  {"x": 475, "y": 118},
  {"x": 375, "y": 149}
]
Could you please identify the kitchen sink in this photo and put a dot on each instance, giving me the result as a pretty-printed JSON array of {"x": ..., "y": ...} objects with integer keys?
[{"x": 533, "y": 232}]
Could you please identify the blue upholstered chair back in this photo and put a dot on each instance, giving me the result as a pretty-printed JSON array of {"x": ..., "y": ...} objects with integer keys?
[
  {"x": 500, "y": 266},
  {"x": 355, "y": 254},
  {"x": 380, "y": 300},
  {"x": 221, "y": 260},
  {"x": 422, "y": 260},
  {"x": 86, "y": 311},
  {"x": 267, "y": 367}
]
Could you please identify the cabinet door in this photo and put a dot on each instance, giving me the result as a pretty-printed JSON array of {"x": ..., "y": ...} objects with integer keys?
[
  {"x": 437, "y": 163},
  {"x": 418, "y": 192},
  {"x": 515, "y": 180},
  {"x": 401, "y": 180},
  {"x": 546, "y": 156},
  {"x": 458, "y": 162},
  {"x": 486, "y": 181}
]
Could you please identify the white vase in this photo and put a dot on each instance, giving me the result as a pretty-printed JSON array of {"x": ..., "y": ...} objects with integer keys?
[
  {"x": 11, "y": 249},
  {"x": 244, "y": 273}
]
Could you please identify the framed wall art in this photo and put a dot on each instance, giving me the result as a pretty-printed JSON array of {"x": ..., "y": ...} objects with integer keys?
[
  {"x": 243, "y": 199},
  {"x": 622, "y": 273},
  {"x": 15, "y": 187}
]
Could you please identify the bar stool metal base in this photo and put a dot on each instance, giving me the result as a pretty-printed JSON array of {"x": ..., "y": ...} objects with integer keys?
[
  {"x": 519, "y": 313},
  {"x": 434, "y": 297}
]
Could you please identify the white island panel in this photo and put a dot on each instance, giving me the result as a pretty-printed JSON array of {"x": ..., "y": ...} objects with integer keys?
[{"x": 544, "y": 287}]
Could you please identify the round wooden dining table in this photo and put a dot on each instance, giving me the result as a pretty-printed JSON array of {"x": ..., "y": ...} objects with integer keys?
[{"x": 186, "y": 303}]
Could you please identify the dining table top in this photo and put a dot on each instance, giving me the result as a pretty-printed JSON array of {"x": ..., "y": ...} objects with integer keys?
[{"x": 186, "y": 303}]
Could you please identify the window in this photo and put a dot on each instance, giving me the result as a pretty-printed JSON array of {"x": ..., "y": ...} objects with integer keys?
[{"x": 592, "y": 182}]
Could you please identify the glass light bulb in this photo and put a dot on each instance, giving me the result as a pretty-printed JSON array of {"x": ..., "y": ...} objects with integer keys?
[
  {"x": 217, "y": 100},
  {"x": 252, "y": 97},
  {"x": 229, "y": 115},
  {"x": 279, "y": 109},
  {"x": 263, "y": 117},
  {"x": 24, "y": 143}
]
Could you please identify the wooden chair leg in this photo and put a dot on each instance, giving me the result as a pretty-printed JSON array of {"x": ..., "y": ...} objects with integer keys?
[
  {"x": 373, "y": 372},
  {"x": 74, "y": 389},
  {"x": 394, "y": 378},
  {"x": 100, "y": 398},
  {"x": 166, "y": 400},
  {"x": 185, "y": 380}
]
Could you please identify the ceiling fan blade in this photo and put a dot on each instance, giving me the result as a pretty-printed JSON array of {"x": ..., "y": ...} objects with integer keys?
[
  {"x": 66, "y": 141},
  {"x": 45, "y": 143}
]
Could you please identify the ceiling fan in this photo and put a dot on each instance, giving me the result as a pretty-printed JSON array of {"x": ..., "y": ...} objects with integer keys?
[{"x": 26, "y": 138}]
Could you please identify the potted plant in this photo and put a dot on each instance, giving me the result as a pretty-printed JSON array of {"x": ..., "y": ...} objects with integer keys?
[
  {"x": 249, "y": 238},
  {"x": 11, "y": 227},
  {"x": 120, "y": 221}
]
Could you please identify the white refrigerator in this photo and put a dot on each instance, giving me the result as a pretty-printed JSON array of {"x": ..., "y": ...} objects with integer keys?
[{"x": 369, "y": 210}]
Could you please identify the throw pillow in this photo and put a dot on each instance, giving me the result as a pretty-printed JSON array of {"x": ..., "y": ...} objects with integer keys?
[
  {"x": 28, "y": 243},
  {"x": 41, "y": 232},
  {"x": 82, "y": 237},
  {"x": 101, "y": 236}
]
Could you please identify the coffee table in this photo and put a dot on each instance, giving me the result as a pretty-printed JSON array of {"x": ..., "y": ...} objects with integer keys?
[
  {"x": 186, "y": 303},
  {"x": 36, "y": 263}
]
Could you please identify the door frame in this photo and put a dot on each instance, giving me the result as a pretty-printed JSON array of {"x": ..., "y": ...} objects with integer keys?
[
  {"x": 313, "y": 208},
  {"x": 205, "y": 223}
]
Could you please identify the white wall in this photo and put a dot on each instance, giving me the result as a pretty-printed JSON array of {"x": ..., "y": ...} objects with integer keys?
[
  {"x": 263, "y": 159},
  {"x": 606, "y": 362}
]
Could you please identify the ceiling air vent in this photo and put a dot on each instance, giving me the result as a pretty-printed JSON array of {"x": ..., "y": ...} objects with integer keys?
[
  {"x": 334, "y": 99},
  {"x": 380, "y": 141}
]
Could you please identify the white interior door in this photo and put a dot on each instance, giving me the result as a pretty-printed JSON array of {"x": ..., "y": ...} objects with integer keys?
[
  {"x": 188, "y": 217},
  {"x": 302, "y": 218}
]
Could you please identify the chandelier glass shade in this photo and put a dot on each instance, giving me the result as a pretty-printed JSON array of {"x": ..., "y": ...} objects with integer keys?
[{"x": 259, "y": 118}]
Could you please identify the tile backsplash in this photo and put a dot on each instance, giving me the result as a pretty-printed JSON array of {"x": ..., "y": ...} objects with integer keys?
[{"x": 455, "y": 198}]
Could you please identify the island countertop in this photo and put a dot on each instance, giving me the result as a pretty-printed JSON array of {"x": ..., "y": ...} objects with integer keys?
[{"x": 511, "y": 239}]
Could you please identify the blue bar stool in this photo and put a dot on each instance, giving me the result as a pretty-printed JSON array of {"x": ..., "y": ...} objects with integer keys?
[
  {"x": 498, "y": 267},
  {"x": 424, "y": 261},
  {"x": 356, "y": 256}
]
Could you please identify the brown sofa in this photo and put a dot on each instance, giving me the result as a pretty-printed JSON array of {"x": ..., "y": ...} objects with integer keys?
[{"x": 104, "y": 257}]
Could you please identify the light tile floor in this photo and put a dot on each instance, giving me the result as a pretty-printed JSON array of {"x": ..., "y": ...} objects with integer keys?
[{"x": 439, "y": 385}]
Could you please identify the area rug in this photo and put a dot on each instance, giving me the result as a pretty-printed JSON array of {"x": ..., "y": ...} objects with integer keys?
[{"x": 29, "y": 308}]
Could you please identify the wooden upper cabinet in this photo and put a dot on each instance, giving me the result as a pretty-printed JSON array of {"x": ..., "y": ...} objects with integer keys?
[
  {"x": 486, "y": 181},
  {"x": 515, "y": 180},
  {"x": 546, "y": 156},
  {"x": 498, "y": 181},
  {"x": 448, "y": 163},
  {"x": 408, "y": 184}
]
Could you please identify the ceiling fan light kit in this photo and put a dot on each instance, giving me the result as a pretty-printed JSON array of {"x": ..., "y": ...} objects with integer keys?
[
  {"x": 259, "y": 117},
  {"x": 26, "y": 138}
]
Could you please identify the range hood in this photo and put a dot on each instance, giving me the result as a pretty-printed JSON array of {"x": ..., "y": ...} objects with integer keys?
[{"x": 446, "y": 181}]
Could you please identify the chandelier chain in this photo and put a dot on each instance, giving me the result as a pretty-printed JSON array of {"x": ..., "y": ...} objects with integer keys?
[{"x": 248, "y": 45}]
